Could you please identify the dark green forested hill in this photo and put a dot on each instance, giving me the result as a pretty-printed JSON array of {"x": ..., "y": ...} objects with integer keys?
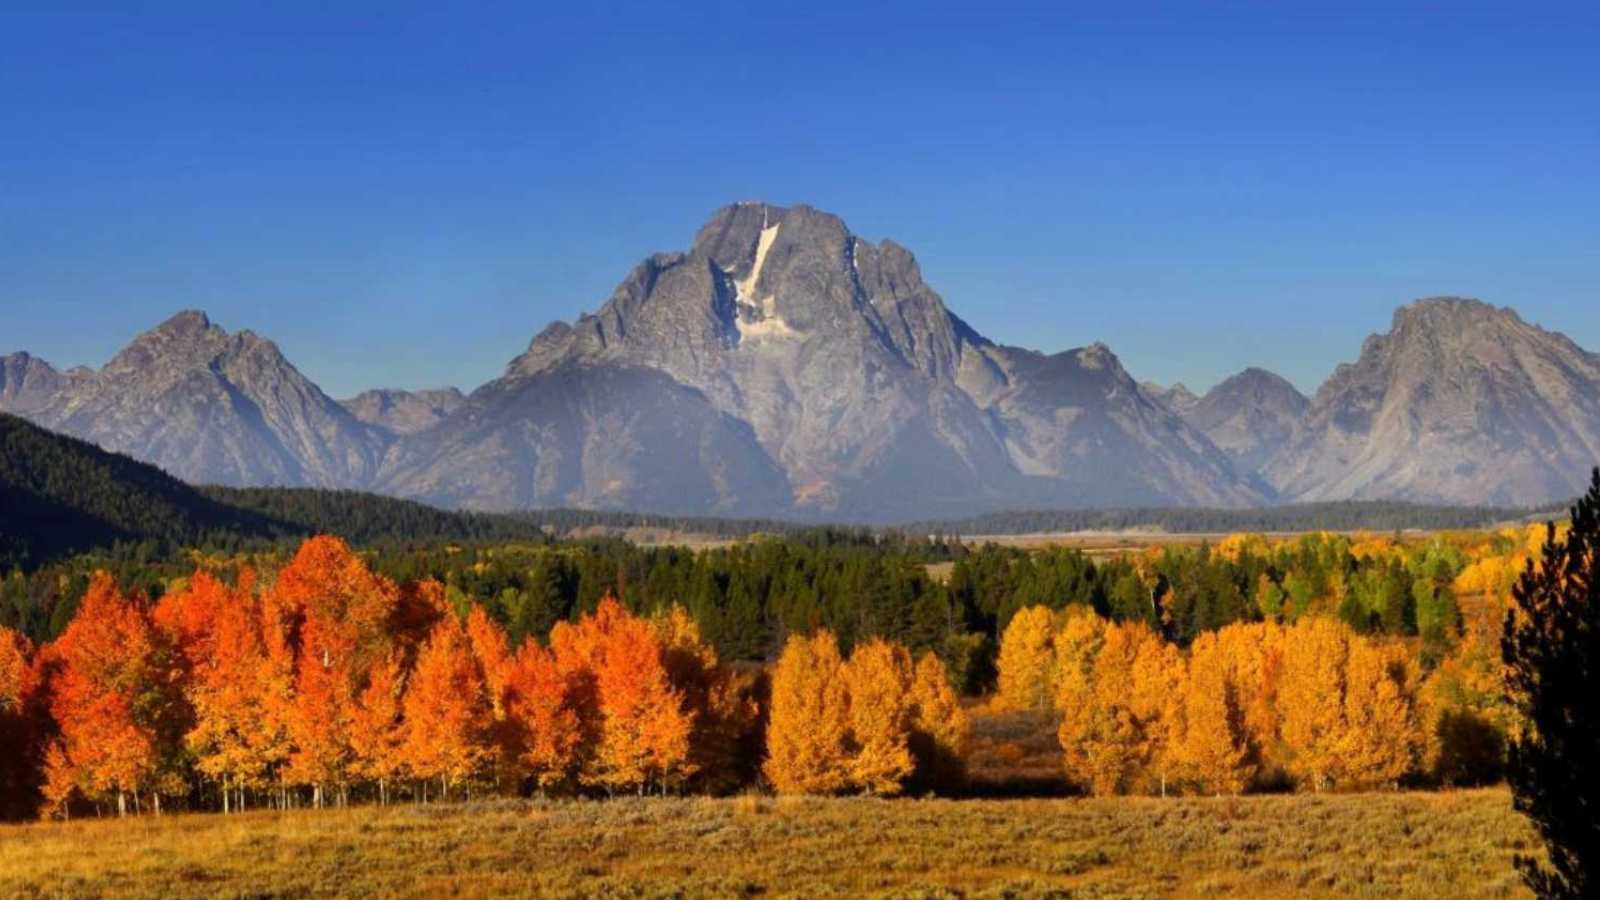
[{"x": 60, "y": 495}]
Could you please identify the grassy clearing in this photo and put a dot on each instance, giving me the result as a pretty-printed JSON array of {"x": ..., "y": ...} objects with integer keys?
[{"x": 1403, "y": 845}]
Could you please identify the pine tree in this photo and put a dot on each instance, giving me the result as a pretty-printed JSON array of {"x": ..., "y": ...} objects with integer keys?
[{"x": 1551, "y": 649}]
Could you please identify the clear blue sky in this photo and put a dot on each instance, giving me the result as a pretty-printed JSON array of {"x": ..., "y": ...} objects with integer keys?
[{"x": 403, "y": 195}]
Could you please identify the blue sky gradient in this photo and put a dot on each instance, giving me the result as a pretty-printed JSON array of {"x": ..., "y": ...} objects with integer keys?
[{"x": 402, "y": 195}]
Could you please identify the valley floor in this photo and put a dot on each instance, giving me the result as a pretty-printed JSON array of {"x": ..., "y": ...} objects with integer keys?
[{"x": 1455, "y": 844}]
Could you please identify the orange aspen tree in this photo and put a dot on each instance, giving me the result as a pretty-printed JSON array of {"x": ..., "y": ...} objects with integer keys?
[
  {"x": 940, "y": 728},
  {"x": 491, "y": 650},
  {"x": 318, "y": 716},
  {"x": 18, "y": 732},
  {"x": 105, "y": 682},
  {"x": 234, "y": 739},
  {"x": 807, "y": 750},
  {"x": 377, "y": 731},
  {"x": 878, "y": 685},
  {"x": 1026, "y": 662},
  {"x": 1216, "y": 747},
  {"x": 645, "y": 729},
  {"x": 541, "y": 707},
  {"x": 337, "y": 618},
  {"x": 447, "y": 714},
  {"x": 1254, "y": 652}
]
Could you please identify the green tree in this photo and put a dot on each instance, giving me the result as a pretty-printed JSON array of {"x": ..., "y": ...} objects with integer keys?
[{"x": 1551, "y": 649}]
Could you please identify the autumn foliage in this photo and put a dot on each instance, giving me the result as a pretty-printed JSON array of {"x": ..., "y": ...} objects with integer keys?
[
  {"x": 324, "y": 679},
  {"x": 868, "y": 724},
  {"x": 320, "y": 682}
]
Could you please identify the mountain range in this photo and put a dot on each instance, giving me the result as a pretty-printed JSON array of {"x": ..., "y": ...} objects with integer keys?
[{"x": 782, "y": 366}]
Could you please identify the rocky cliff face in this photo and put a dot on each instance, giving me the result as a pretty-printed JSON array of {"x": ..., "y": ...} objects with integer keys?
[
  {"x": 214, "y": 407},
  {"x": 1460, "y": 402},
  {"x": 859, "y": 394},
  {"x": 1249, "y": 416}
]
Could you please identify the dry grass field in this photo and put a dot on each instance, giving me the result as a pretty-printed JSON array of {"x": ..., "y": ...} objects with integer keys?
[{"x": 1379, "y": 845}]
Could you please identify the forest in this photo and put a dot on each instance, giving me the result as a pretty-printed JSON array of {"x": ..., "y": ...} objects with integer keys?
[{"x": 825, "y": 662}]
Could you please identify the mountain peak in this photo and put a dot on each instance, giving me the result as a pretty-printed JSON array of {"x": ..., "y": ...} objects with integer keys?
[
  {"x": 185, "y": 323},
  {"x": 1460, "y": 402},
  {"x": 1437, "y": 312}
]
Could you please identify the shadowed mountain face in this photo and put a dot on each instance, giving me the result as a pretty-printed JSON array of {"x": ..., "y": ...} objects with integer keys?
[
  {"x": 209, "y": 406},
  {"x": 1460, "y": 402}
]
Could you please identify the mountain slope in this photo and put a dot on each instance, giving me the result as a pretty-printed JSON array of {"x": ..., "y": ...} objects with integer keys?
[
  {"x": 404, "y": 412},
  {"x": 1249, "y": 416},
  {"x": 61, "y": 494},
  {"x": 214, "y": 407},
  {"x": 857, "y": 394},
  {"x": 1460, "y": 402}
]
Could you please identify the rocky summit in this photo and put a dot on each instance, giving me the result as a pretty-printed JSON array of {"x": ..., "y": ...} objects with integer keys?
[
  {"x": 783, "y": 366},
  {"x": 1460, "y": 402}
]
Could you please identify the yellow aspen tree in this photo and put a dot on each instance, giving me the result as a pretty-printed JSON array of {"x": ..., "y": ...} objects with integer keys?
[
  {"x": 878, "y": 681},
  {"x": 1254, "y": 652},
  {"x": 1216, "y": 746},
  {"x": 1311, "y": 699},
  {"x": 1078, "y": 638},
  {"x": 1156, "y": 699},
  {"x": 1102, "y": 741},
  {"x": 1384, "y": 736},
  {"x": 1026, "y": 661},
  {"x": 807, "y": 751},
  {"x": 940, "y": 728}
]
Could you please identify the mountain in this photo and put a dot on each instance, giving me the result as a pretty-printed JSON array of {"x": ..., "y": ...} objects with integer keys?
[
  {"x": 1249, "y": 416},
  {"x": 1177, "y": 398},
  {"x": 212, "y": 407},
  {"x": 782, "y": 364},
  {"x": 1460, "y": 402},
  {"x": 27, "y": 383},
  {"x": 404, "y": 412}
]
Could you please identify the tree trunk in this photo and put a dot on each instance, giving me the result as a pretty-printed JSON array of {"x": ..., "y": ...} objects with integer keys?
[{"x": 122, "y": 804}]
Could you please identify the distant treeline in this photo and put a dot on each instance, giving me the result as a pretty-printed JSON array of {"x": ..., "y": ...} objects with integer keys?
[{"x": 1344, "y": 515}]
